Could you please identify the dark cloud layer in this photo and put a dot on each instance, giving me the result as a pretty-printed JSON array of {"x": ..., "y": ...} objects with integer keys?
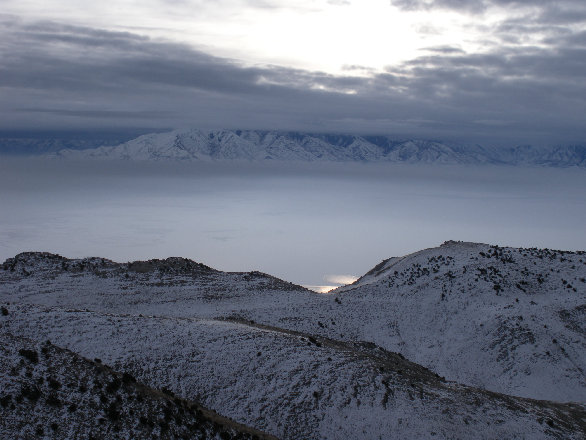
[
  {"x": 547, "y": 10},
  {"x": 70, "y": 77}
]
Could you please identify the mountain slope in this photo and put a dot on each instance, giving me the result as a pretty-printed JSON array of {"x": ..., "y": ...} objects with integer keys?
[
  {"x": 202, "y": 145},
  {"x": 292, "y": 384},
  {"x": 175, "y": 286},
  {"x": 49, "y": 392},
  {"x": 359, "y": 362},
  {"x": 505, "y": 319}
]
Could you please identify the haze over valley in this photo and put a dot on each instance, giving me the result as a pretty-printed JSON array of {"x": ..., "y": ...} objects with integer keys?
[{"x": 305, "y": 223}]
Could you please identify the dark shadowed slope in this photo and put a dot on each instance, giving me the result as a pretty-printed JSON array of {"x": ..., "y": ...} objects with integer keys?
[{"x": 49, "y": 392}]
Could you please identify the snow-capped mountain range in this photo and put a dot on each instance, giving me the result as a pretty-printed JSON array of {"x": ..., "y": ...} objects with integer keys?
[
  {"x": 250, "y": 145},
  {"x": 450, "y": 342}
]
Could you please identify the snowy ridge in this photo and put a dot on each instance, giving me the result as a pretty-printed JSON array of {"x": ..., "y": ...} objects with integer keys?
[
  {"x": 435, "y": 343},
  {"x": 248, "y": 145}
]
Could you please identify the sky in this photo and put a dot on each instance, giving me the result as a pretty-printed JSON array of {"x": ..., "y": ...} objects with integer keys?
[{"x": 480, "y": 71}]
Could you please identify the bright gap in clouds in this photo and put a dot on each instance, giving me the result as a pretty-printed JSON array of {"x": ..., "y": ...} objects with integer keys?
[{"x": 321, "y": 35}]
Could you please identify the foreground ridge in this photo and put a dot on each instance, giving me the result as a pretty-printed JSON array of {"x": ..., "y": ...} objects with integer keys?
[
  {"x": 465, "y": 340},
  {"x": 50, "y": 392}
]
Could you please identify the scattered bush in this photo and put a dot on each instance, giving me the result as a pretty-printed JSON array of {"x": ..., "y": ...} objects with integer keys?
[
  {"x": 167, "y": 391},
  {"x": 31, "y": 393},
  {"x": 30, "y": 355},
  {"x": 113, "y": 413},
  {"x": 53, "y": 384},
  {"x": 53, "y": 400},
  {"x": 128, "y": 378},
  {"x": 5, "y": 401},
  {"x": 113, "y": 386}
]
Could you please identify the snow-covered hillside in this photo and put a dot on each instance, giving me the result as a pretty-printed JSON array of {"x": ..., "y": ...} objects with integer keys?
[
  {"x": 49, "y": 392},
  {"x": 505, "y": 319},
  {"x": 365, "y": 361},
  {"x": 202, "y": 145},
  {"x": 293, "y": 385}
]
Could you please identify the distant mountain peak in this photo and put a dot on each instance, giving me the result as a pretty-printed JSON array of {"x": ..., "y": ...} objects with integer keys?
[{"x": 259, "y": 145}]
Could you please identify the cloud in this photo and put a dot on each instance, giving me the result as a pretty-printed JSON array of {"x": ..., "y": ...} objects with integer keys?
[
  {"x": 100, "y": 113},
  {"x": 444, "y": 50},
  {"x": 534, "y": 12},
  {"x": 460, "y": 5},
  {"x": 55, "y": 75}
]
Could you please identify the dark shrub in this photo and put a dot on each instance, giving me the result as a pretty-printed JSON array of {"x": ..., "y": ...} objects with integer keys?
[
  {"x": 31, "y": 393},
  {"x": 5, "y": 401},
  {"x": 113, "y": 413},
  {"x": 128, "y": 378},
  {"x": 30, "y": 355},
  {"x": 54, "y": 384},
  {"x": 167, "y": 391},
  {"x": 53, "y": 400},
  {"x": 168, "y": 414},
  {"x": 114, "y": 385}
]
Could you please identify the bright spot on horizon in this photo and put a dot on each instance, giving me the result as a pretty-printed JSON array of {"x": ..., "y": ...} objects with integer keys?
[
  {"x": 321, "y": 289},
  {"x": 340, "y": 279},
  {"x": 336, "y": 280}
]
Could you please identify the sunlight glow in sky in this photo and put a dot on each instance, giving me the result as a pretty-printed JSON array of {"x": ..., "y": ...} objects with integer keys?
[
  {"x": 492, "y": 72},
  {"x": 331, "y": 36}
]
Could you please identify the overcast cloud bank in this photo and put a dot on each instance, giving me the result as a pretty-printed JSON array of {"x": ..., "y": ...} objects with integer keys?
[{"x": 528, "y": 85}]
